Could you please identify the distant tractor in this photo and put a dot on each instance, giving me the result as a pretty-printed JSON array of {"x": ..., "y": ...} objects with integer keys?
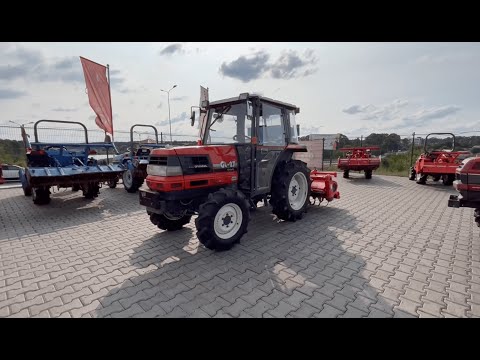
[
  {"x": 244, "y": 156},
  {"x": 438, "y": 164},
  {"x": 359, "y": 159},
  {"x": 467, "y": 183},
  {"x": 136, "y": 161}
]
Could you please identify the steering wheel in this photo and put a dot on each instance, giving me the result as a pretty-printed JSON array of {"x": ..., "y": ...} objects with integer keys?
[{"x": 235, "y": 137}]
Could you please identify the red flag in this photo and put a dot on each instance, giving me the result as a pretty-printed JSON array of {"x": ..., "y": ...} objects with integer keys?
[
  {"x": 202, "y": 118},
  {"x": 98, "y": 90}
]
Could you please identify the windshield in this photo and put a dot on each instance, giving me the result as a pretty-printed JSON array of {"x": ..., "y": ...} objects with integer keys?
[{"x": 227, "y": 124}]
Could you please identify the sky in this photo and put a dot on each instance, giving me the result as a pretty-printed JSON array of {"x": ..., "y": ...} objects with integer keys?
[{"x": 349, "y": 88}]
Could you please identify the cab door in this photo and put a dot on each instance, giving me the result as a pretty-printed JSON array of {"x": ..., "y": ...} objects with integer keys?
[{"x": 271, "y": 139}]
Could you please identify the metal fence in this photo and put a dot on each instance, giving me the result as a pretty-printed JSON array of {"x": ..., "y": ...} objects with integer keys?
[{"x": 75, "y": 134}]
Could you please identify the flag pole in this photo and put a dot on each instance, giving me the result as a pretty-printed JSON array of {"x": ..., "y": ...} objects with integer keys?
[{"x": 110, "y": 94}]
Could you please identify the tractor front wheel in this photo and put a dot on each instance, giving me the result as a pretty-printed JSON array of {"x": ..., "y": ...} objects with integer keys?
[
  {"x": 476, "y": 215},
  {"x": 291, "y": 187},
  {"x": 346, "y": 174},
  {"x": 130, "y": 182},
  {"x": 368, "y": 174},
  {"x": 448, "y": 179},
  {"x": 27, "y": 189},
  {"x": 413, "y": 174},
  {"x": 421, "y": 178},
  {"x": 169, "y": 222},
  {"x": 41, "y": 196},
  {"x": 222, "y": 219},
  {"x": 437, "y": 178}
]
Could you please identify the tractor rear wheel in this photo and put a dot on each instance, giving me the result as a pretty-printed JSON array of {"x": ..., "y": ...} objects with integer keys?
[
  {"x": 40, "y": 196},
  {"x": 437, "y": 178},
  {"x": 346, "y": 174},
  {"x": 222, "y": 219},
  {"x": 448, "y": 179},
  {"x": 168, "y": 222},
  {"x": 413, "y": 174},
  {"x": 291, "y": 187},
  {"x": 421, "y": 178},
  {"x": 112, "y": 184},
  {"x": 368, "y": 174},
  {"x": 130, "y": 182}
]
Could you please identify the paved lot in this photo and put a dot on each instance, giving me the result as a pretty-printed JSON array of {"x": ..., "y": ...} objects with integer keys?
[{"x": 387, "y": 248}]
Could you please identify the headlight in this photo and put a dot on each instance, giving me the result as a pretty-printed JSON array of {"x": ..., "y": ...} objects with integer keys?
[{"x": 164, "y": 170}]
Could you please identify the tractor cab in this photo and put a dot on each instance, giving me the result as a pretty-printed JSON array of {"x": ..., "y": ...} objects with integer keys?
[
  {"x": 239, "y": 120},
  {"x": 260, "y": 129}
]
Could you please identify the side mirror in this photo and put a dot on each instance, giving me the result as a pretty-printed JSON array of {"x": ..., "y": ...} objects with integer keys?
[{"x": 192, "y": 118}]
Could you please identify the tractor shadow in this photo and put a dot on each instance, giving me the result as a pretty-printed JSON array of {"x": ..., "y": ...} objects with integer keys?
[
  {"x": 171, "y": 274},
  {"x": 437, "y": 186},
  {"x": 66, "y": 209},
  {"x": 376, "y": 180}
]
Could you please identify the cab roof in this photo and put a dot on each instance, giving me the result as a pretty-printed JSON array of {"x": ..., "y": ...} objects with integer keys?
[{"x": 244, "y": 96}]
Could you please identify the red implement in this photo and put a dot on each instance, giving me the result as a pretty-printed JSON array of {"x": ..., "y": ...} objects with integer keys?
[
  {"x": 324, "y": 186},
  {"x": 359, "y": 159}
]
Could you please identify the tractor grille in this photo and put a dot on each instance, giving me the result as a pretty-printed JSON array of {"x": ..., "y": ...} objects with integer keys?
[
  {"x": 158, "y": 160},
  {"x": 195, "y": 164}
]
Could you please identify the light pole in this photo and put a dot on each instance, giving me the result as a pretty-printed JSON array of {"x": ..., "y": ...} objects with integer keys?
[{"x": 169, "y": 121}]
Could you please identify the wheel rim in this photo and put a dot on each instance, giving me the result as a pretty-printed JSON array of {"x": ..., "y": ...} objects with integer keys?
[
  {"x": 127, "y": 179},
  {"x": 228, "y": 221},
  {"x": 297, "y": 191}
]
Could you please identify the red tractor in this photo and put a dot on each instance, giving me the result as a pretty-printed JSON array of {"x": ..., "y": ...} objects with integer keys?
[
  {"x": 468, "y": 185},
  {"x": 439, "y": 164},
  {"x": 245, "y": 156},
  {"x": 358, "y": 159}
]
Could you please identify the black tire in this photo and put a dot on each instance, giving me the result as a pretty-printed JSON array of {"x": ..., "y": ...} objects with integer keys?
[
  {"x": 413, "y": 174},
  {"x": 41, "y": 196},
  {"x": 27, "y": 189},
  {"x": 476, "y": 215},
  {"x": 368, "y": 174},
  {"x": 76, "y": 187},
  {"x": 436, "y": 178},
  {"x": 447, "y": 180},
  {"x": 112, "y": 184},
  {"x": 205, "y": 222},
  {"x": 282, "y": 177},
  {"x": 421, "y": 179},
  {"x": 130, "y": 182},
  {"x": 169, "y": 224},
  {"x": 91, "y": 190},
  {"x": 346, "y": 174}
]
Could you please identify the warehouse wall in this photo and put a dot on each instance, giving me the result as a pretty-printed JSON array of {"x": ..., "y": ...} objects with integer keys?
[{"x": 313, "y": 157}]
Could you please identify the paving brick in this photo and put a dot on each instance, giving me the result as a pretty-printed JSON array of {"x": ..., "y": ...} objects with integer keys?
[
  {"x": 305, "y": 311},
  {"x": 259, "y": 308},
  {"x": 353, "y": 312}
]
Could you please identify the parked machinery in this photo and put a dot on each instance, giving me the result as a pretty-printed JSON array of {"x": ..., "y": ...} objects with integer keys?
[
  {"x": 439, "y": 164},
  {"x": 63, "y": 165},
  {"x": 245, "y": 155},
  {"x": 358, "y": 159}
]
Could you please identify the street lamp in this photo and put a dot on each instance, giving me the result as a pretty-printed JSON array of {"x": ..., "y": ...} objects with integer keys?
[{"x": 169, "y": 121}]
